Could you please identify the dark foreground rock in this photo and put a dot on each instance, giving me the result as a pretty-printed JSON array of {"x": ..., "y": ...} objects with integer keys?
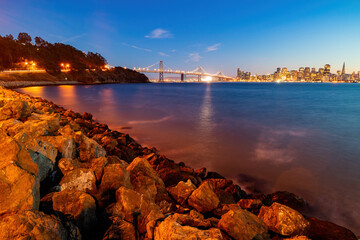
[{"x": 96, "y": 183}]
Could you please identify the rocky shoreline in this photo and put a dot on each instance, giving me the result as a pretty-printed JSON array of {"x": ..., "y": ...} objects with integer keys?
[{"x": 65, "y": 176}]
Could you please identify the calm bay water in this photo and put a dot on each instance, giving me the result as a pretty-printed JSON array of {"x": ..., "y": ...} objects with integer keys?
[{"x": 304, "y": 138}]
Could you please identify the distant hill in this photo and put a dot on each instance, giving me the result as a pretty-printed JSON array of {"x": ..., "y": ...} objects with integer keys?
[{"x": 55, "y": 58}]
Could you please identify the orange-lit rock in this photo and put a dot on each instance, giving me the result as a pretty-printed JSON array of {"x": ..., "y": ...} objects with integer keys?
[
  {"x": 80, "y": 179},
  {"x": 120, "y": 229},
  {"x": 114, "y": 177},
  {"x": 182, "y": 191},
  {"x": 243, "y": 225},
  {"x": 170, "y": 229},
  {"x": 66, "y": 146},
  {"x": 134, "y": 207},
  {"x": 204, "y": 198},
  {"x": 79, "y": 205},
  {"x": 284, "y": 220},
  {"x": 19, "y": 183},
  {"x": 36, "y": 225},
  {"x": 89, "y": 148},
  {"x": 146, "y": 181},
  {"x": 67, "y": 165},
  {"x": 16, "y": 109}
]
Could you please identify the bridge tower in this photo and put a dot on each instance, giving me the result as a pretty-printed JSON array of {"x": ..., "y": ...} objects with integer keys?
[
  {"x": 183, "y": 77},
  {"x": 161, "y": 71}
]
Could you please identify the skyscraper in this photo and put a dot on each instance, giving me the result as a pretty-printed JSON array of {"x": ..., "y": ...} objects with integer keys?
[
  {"x": 343, "y": 70},
  {"x": 327, "y": 70}
]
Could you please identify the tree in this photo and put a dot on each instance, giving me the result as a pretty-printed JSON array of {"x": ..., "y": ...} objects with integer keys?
[
  {"x": 9, "y": 36},
  {"x": 95, "y": 60},
  {"x": 39, "y": 42},
  {"x": 24, "y": 38}
]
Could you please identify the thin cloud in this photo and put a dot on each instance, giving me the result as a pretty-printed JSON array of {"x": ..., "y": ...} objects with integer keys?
[
  {"x": 73, "y": 38},
  {"x": 138, "y": 48},
  {"x": 163, "y": 54},
  {"x": 174, "y": 50},
  {"x": 213, "y": 48},
  {"x": 160, "y": 33},
  {"x": 194, "y": 57}
]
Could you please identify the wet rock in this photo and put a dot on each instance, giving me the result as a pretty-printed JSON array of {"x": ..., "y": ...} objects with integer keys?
[
  {"x": 170, "y": 229},
  {"x": 221, "y": 188},
  {"x": 204, "y": 198},
  {"x": 182, "y": 191},
  {"x": 36, "y": 225},
  {"x": 290, "y": 200},
  {"x": 137, "y": 209},
  {"x": 15, "y": 109},
  {"x": 145, "y": 180},
  {"x": 89, "y": 148},
  {"x": 114, "y": 177},
  {"x": 97, "y": 165},
  {"x": 326, "y": 230},
  {"x": 80, "y": 179},
  {"x": 120, "y": 229},
  {"x": 87, "y": 116},
  {"x": 19, "y": 182},
  {"x": 79, "y": 205},
  {"x": 243, "y": 225},
  {"x": 284, "y": 220}
]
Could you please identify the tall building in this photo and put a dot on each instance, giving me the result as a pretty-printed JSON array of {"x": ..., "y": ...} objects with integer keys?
[
  {"x": 327, "y": 70},
  {"x": 343, "y": 70}
]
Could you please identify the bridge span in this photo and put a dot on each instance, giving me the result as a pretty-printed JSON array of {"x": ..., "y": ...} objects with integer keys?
[{"x": 199, "y": 72}]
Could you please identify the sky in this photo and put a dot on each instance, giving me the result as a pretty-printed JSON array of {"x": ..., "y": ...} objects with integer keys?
[{"x": 254, "y": 35}]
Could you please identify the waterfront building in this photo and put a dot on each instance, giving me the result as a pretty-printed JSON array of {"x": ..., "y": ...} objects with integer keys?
[{"x": 327, "y": 70}]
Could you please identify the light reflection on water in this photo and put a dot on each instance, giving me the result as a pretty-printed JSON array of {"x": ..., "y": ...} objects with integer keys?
[{"x": 298, "y": 137}]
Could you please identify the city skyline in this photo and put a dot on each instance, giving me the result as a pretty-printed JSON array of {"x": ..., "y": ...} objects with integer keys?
[{"x": 257, "y": 36}]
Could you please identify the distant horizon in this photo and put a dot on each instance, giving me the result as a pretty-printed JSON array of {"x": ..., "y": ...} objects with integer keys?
[{"x": 256, "y": 36}]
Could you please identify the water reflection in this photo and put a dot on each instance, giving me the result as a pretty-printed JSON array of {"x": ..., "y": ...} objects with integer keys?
[
  {"x": 68, "y": 92},
  {"x": 35, "y": 91},
  {"x": 206, "y": 114}
]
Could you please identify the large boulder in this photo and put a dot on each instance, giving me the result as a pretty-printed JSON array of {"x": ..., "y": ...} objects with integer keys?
[
  {"x": 204, "y": 199},
  {"x": 193, "y": 219},
  {"x": 89, "y": 148},
  {"x": 67, "y": 165},
  {"x": 170, "y": 229},
  {"x": 284, "y": 220},
  {"x": 19, "y": 182},
  {"x": 80, "y": 179},
  {"x": 16, "y": 109},
  {"x": 291, "y": 200},
  {"x": 97, "y": 165},
  {"x": 146, "y": 181},
  {"x": 66, "y": 146},
  {"x": 223, "y": 189},
  {"x": 79, "y": 205},
  {"x": 36, "y": 225},
  {"x": 182, "y": 191},
  {"x": 120, "y": 229},
  {"x": 137, "y": 209},
  {"x": 114, "y": 177},
  {"x": 243, "y": 225},
  {"x": 326, "y": 230}
]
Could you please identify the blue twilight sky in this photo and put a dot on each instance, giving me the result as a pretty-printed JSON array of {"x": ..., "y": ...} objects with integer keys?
[{"x": 255, "y": 35}]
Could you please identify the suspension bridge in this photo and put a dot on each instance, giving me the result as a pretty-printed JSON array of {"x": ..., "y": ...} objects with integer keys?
[{"x": 162, "y": 69}]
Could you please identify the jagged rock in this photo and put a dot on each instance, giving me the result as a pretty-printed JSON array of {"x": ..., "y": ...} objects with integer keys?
[
  {"x": 193, "y": 219},
  {"x": 146, "y": 181},
  {"x": 97, "y": 165},
  {"x": 40, "y": 126},
  {"x": 243, "y": 225},
  {"x": 221, "y": 188},
  {"x": 120, "y": 229},
  {"x": 87, "y": 116},
  {"x": 80, "y": 179},
  {"x": 203, "y": 198},
  {"x": 89, "y": 148},
  {"x": 182, "y": 191},
  {"x": 6, "y": 124},
  {"x": 19, "y": 183},
  {"x": 284, "y": 220},
  {"x": 252, "y": 205},
  {"x": 114, "y": 177},
  {"x": 67, "y": 131},
  {"x": 67, "y": 165},
  {"x": 326, "y": 230},
  {"x": 42, "y": 153},
  {"x": 66, "y": 146},
  {"x": 224, "y": 208},
  {"x": 170, "y": 229},
  {"x": 108, "y": 142},
  {"x": 36, "y": 225},
  {"x": 79, "y": 205},
  {"x": 135, "y": 208},
  {"x": 290, "y": 200},
  {"x": 15, "y": 109}
]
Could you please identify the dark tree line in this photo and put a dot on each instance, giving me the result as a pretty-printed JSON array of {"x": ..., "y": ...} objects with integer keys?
[{"x": 47, "y": 55}]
